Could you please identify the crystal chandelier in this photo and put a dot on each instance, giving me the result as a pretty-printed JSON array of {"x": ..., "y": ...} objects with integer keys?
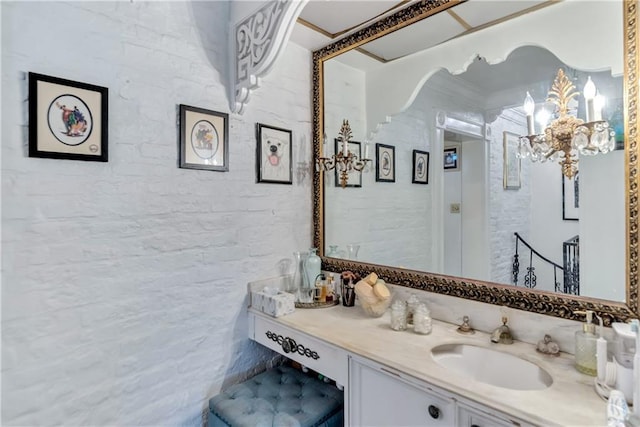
[
  {"x": 344, "y": 161},
  {"x": 567, "y": 136}
]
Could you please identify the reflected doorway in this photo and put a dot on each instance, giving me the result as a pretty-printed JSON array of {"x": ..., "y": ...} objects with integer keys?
[{"x": 465, "y": 206}]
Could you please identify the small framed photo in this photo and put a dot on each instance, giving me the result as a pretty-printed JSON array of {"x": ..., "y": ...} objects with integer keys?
[
  {"x": 67, "y": 119},
  {"x": 451, "y": 159},
  {"x": 511, "y": 164},
  {"x": 385, "y": 163},
  {"x": 354, "y": 177},
  {"x": 204, "y": 139},
  {"x": 274, "y": 154},
  {"x": 570, "y": 197},
  {"x": 420, "y": 167}
]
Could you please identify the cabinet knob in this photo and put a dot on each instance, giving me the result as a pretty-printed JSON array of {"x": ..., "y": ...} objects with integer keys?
[{"x": 434, "y": 412}]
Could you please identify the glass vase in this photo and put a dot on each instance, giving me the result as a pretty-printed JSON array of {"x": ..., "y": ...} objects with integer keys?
[
  {"x": 352, "y": 251},
  {"x": 300, "y": 276},
  {"x": 312, "y": 267}
]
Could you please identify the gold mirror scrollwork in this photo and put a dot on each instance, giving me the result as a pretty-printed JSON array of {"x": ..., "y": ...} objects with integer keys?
[{"x": 542, "y": 302}]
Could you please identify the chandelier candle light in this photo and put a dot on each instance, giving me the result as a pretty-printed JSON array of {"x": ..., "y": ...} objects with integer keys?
[
  {"x": 567, "y": 136},
  {"x": 344, "y": 160}
]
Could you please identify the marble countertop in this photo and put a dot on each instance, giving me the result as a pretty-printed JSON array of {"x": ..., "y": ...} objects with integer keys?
[{"x": 569, "y": 401}]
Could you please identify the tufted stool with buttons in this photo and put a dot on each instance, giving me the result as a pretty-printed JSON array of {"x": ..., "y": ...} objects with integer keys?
[{"x": 278, "y": 397}]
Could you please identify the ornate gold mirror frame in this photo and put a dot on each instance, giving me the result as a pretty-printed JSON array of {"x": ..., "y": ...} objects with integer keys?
[{"x": 548, "y": 303}]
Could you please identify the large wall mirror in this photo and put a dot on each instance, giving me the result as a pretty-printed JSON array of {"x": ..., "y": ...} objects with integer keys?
[{"x": 440, "y": 87}]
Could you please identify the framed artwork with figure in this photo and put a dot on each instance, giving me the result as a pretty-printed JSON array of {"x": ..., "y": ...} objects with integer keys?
[
  {"x": 420, "y": 167},
  {"x": 67, "y": 119},
  {"x": 570, "y": 198},
  {"x": 274, "y": 154},
  {"x": 451, "y": 159},
  {"x": 511, "y": 163},
  {"x": 385, "y": 163},
  {"x": 204, "y": 139}
]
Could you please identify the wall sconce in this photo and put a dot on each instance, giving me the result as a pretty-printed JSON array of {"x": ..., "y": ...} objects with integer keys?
[
  {"x": 344, "y": 161},
  {"x": 567, "y": 136}
]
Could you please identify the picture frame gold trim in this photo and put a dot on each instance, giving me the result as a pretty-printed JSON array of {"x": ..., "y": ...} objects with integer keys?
[{"x": 542, "y": 302}]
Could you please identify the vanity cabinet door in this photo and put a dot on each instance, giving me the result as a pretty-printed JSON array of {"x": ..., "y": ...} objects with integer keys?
[
  {"x": 474, "y": 417},
  {"x": 379, "y": 396}
]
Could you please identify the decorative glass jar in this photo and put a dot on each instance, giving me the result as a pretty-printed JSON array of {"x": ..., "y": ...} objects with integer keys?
[
  {"x": 412, "y": 303},
  {"x": 422, "y": 320},
  {"x": 399, "y": 315}
]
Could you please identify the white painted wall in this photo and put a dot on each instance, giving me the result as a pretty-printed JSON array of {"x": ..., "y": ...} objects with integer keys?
[
  {"x": 123, "y": 283},
  {"x": 602, "y": 226},
  {"x": 509, "y": 210},
  {"x": 475, "y": 249}
]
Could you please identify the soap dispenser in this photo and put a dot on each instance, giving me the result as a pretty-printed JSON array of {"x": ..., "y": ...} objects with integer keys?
[{"x": 586, "y": 344}]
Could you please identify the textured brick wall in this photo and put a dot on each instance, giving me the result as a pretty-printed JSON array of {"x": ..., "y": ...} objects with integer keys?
[{"x": 123, "y": 284}]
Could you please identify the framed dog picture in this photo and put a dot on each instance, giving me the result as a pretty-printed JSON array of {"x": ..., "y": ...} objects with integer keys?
[
  {"x": 274, "y": 155},
  {"x": 204, "y": 139},
  {"x": 67, "y": 119},
  {"x": 385, "y": 163},
  {"x": 420, "y": 167}
]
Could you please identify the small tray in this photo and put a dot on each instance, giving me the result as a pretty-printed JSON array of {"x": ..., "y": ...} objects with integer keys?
[{"x": 317, "y": 304}]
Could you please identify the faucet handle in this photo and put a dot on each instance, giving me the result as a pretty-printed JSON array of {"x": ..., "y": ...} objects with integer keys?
[
  {"x": 465, "y": 328},
  {"x": 504, "y": 320}
]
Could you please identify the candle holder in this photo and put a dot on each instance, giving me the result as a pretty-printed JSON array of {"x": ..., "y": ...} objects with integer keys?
[
  {"x": 345, "y": 161},
  {"x": 567, "y": 136}
]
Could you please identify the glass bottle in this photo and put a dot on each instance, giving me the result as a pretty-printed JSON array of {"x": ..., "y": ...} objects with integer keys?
[
  {"x": 352, "y": 251},
  {"x": 398, "y": 315},
  {"x": 422, "y": 319},
  {"x": 299, "y": 276},
  {"x": 333, "y": 251},
  {"x": 312, "y": 267}
]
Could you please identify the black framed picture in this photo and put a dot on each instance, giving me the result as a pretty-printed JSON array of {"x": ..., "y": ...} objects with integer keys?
[
  {"x": 385, "y": 163},
  {"x": 570, "y": 198},
  {"x": 204, "y": 139},
  {"x": 451, "y": 159},
  {"x": 274, "y": 154},
  {"x": 420, "y": 167},
  {"x": 354, "y": 178},
  {"x": 67, "y": 119}
]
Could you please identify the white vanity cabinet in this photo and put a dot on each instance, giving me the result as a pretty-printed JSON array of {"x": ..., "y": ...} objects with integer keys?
[
  {"x": 315, "y": 354},
  {"x": 379, "y": 396},
  {"x": 469, "y": 416}
]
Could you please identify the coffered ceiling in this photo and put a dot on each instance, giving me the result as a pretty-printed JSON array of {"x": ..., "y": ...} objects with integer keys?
[{"x": 323, "y": 21}]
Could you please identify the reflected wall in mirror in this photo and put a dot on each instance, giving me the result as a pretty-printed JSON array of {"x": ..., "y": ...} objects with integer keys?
[{"x": 466, "y": 93}]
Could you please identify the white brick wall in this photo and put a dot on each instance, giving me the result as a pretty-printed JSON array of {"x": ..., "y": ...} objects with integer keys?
[{"x": 124, "y": 282}]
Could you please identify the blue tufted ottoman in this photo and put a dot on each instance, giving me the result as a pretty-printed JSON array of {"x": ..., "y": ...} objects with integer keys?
[{"x": 278, "y": 397}]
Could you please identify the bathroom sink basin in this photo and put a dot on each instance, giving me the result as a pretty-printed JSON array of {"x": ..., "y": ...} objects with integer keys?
[{"x": 492, "y": 367}]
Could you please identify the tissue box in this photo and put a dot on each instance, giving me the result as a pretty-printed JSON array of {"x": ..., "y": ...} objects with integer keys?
[{"x": 275, "y": 304}]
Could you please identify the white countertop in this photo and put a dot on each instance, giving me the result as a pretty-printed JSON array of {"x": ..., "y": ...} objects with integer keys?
[{"x": 569, "y": 401}]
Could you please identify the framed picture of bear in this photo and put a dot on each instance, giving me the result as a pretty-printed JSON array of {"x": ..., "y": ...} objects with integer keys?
[
  {"x": 274, "y": 154},
  {"x": 67, "y": 119},
  {"x": 204, "y": 139}
]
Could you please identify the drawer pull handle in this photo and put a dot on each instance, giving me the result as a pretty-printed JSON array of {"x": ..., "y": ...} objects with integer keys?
[
  {"x": 434, "y": 412},
  {"x": 289, "y": 345},
  {"x": 475, "y": 425}
]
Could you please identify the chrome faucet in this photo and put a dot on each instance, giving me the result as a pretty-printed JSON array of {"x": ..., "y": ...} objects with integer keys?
[{"x": 502, "y": 334}]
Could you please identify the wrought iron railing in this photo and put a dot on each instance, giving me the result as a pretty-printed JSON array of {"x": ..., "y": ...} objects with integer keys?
[
  {"x": 570, "y": 269},
  {"x": 571, "y": 261},
  {"x": 530, "y": 277}
]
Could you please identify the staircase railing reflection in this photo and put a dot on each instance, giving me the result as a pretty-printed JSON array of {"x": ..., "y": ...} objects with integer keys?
[
  {"x": 571, "y": 261},
  {"x": 530, "y": 278}
]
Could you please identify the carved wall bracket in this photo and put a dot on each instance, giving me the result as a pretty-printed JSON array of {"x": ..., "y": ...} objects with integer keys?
[{"x": 258, "y": 41}]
